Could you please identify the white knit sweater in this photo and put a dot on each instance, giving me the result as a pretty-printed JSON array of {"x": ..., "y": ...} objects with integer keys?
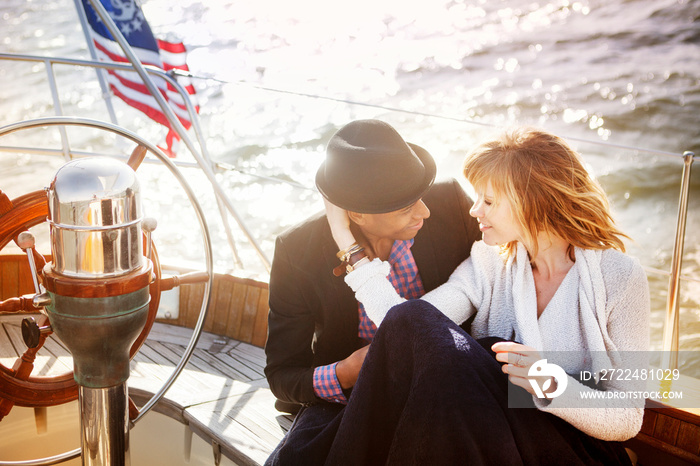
[{"x": 602, "y": 306}]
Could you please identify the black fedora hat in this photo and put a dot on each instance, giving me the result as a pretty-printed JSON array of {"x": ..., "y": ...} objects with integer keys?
[{"x": 370, "y": 169}]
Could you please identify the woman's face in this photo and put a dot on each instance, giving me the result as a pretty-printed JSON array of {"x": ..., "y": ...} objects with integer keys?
[{"x": 496, "y": 220}]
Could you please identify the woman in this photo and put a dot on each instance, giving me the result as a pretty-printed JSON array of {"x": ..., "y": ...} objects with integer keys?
[{"x": 549, "y": 276}]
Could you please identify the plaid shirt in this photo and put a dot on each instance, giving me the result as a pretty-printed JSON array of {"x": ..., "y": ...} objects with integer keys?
[{"x": 406, "y": 280}]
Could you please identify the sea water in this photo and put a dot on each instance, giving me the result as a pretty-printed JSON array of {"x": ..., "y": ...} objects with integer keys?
[{"x": 275, "y": 79}]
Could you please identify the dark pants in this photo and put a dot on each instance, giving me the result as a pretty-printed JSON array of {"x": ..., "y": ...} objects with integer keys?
[{"x": 428, "y": 393}]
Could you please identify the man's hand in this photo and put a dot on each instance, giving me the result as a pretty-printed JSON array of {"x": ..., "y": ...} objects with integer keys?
[{"x": 348, "y": 369}]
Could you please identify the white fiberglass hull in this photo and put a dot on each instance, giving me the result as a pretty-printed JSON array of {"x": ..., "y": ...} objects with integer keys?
[{"x": 156, "y": 440}]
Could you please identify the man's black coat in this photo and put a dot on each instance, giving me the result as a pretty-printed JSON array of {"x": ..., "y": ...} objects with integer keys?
[{"x": 313, "y": 319}]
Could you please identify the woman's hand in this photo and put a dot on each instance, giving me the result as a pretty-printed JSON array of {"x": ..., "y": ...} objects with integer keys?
[
  {"x": 340, "y": 225},
  {"x": 518, "y": 359}
]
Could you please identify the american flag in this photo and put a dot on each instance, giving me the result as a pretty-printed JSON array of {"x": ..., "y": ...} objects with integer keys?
[{"x": 127, "y": 85}]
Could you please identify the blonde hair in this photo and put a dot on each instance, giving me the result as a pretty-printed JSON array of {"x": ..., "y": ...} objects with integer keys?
[{"x": 548, "y": 187}]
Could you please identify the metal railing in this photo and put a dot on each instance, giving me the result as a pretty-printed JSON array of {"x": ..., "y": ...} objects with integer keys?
[
  {"x": 201, "y": 154},
  {"x": 671, "y": 322}
]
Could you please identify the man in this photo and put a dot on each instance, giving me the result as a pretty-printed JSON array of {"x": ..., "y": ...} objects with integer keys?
[{"x": 318, "y": 334}]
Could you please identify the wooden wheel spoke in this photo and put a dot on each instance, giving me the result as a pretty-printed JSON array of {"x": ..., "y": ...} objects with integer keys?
[
  {"x": 25, "y": 364},
  {"x": 21, "y": 305}
]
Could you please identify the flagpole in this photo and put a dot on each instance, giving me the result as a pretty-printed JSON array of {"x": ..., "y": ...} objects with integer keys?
[
  {"x": 100, "y": 72},
  {"x": 175, "y": 122}
]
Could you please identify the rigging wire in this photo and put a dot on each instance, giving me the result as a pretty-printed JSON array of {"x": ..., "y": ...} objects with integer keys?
[{"x": 411, "y": 112}]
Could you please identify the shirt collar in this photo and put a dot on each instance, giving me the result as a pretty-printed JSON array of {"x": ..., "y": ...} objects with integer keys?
[{"x": 399, "y": 249}]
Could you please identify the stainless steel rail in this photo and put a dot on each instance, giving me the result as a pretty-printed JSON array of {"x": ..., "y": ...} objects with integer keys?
[{"x": 671, "y": 323}]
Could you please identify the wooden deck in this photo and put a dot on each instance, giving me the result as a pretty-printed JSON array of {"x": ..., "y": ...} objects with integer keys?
[{"x": 222, "y": 394}]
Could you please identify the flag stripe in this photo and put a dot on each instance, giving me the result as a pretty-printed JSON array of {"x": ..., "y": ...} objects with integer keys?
[
  {"x": 171, "y": 47},
  {"x": 130, "y": 90},
  {"x": 128, "y": 85},
  {"x": 125, "y": 79},
  {"x": 137, "y": 84}
]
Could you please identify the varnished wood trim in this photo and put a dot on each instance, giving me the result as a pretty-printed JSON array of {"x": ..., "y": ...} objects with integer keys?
[
  {"x": 666, "y": 428},
  {"x": 689, "y": 438},
  {"x": 684, "y": 415},
  {"x": 662, "y": 447},
  {"x": 98, "y": 287},
  {"x": 672, "y": 431},
  {"x": 15, "y": 275},
  {"x": 238, "y": 310}
]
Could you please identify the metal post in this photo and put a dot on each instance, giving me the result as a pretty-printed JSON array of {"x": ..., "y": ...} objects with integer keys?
[
  {"x": 671, "y": 332},
  {"x": 65, "y": 144},
  {"x": 106, "y": 96},
  {"x": 104, "y": 426}
]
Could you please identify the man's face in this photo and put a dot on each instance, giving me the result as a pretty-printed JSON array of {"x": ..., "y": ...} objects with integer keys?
[{"x": 402, "y": 224}]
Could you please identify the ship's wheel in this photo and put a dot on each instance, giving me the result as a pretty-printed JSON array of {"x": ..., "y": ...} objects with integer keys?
[{"x": 17, "y": 385}]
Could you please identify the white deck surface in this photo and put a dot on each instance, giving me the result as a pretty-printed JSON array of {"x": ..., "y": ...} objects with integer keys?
[{"x": 222, "y": 394}]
